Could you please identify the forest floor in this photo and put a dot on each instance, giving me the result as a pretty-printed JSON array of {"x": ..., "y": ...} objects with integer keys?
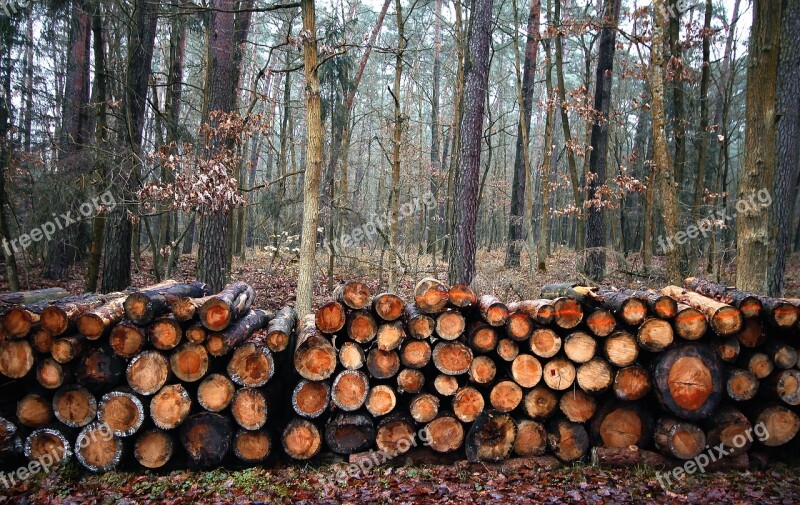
[{"x": 274, "y": 279}]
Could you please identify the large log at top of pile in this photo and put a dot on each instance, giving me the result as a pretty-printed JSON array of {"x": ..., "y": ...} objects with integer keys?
[{"x": 144, "y": 306}]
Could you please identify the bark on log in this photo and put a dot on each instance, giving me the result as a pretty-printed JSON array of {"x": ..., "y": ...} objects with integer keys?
[
  {"x": 41, "y": 340},
  {"x": 450, "y": 324},
  {"x": 431, "y": 295},
  {"x": 491, "y": 437},
  {"x": 678, "y": 439},
  {"x": 63, "y": 314},
  {"x": 127, "y": 340},
  {"x": 519, "y": 326},
  {"x": 51, "y": 375},
  {"x": 452, "y": 358},
  {"x": 145, "y": 305},
  {"x": 748, "y": 303},
  {"x": 220, "y": 344},
  {"x": 531, "y": 438},
  {"x": 222, "y": 309},
  {"x": 310, "y": 399},
  {"x": 423, "y": 407},
  {"x": 66, "y": 349},
  {"x": 382, "y": 364},
  {"x": 352, "y": 356},
  {"x": 47, "y": 444},
  {"x": 281, "y": 329},
  {"x": 632, "y": 383},
  {"x": 727, "y": 349},
  {"x": 252, "y": 446},
  {"x": 410, "y": 381},
  {"x": 97, "y": 322},
  {"x": 355, "y": 295},
  {"x": 185, "y": 308},
  {"x": 122, "y": 413},
  {"x": 462, "y": 296},
  {"x": 725, "y": 320},
  {"x": 662, "y": 306},
  {"x": 481, "y": 337},
  {"x": 361, "y": 326},
  {"x": 507, "y": 350},
  {"x": 381, "y": 400},
  {"x": 75, "y": 406},
  {"x": 741, "y": 385},
  {"x": 568, "y": 441},
  {"x": 483, "y": 370},
  {"x": 206, "y": 438},
  {"x": 32, "y": 297},
  {"x": 348, "y": 433},
  {"x": 418, "y": 324},
  {"x": 540, "y": 402},
  {"x": 689, "y": 381},
  {"x": 416, "y": 354},
  {"x": 390, "y": 336},
  {"x": 165, "y": 333},
  {"x": 445, "y": 433},
  {"x": 492, "y": 310},
  {"x": 690, "y": 323},
  {"x": 541, "y": 311},
  {"x": 100, "y": 370},
  {"x": 388, "y": 306},
  {"x": 731, "y": 428},
  {"x": 314, "y": 356}
]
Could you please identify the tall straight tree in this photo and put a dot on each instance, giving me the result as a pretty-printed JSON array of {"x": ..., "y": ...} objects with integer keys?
[
  {"x": 228, "y": 28},
  {"x": 436, "y": 162},
  {"x": 595, "y": 223},
  {"x": 760, "y": 135},
  {"x": 515, "y": 223},
  {"x": 119, "y": 229},
  {"x": 6, "y": 41},
  {"x": 308, "y": 236},
  {"x": 788, "y": 163},
  {"x": 461, "y": 268}
]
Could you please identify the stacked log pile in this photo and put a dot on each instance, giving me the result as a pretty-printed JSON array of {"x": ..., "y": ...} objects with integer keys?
[{"x": 167, "y": 376}]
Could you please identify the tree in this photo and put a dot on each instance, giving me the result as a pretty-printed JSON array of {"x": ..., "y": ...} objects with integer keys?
[
  {"x": 788, "y": 146},
  {"x": 308, "y": 236},
  {"x": 515, "y": 224},
  {"x": 752, "y": 226},
  {"x": 595, "y": 230},
  {"x": 6, "y": 40},
  {"x": 461, "y": 268}
]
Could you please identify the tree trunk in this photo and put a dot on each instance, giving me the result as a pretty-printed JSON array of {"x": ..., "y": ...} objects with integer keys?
[{"x": 462, "y": 255}]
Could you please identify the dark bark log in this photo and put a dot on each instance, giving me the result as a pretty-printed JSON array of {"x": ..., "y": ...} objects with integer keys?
[
  {"x": 127, "y": 340},
  {"x": 531, "y": 438},
  {"x": 221, "y": 310},
  {"x": 381, "y": 400},
  {"x": 144, "y": 306},
  {"x": 165, "y": 333},
  {"x": 491, "y": 437},
  {"x": 622, "y": 424},
  {"x": 252, "y": 447},
  {"x": 507, "y": 350},
  {"x": 383, "y": 364},
  {"x": 347, "y": 433},
  {"x": 390, "y": 336},
  {"x": 220, "y": 344},
  {"x": 95, "y": 323},
  {"x": 678, "y": 439},
  {"x": 33, "y": 297},
  {"x": 206, "y": 438},
  {"x": 100, "y": 369},
  {"x": 632, "y": 383},
  {"x": 410, "y": 381},
  {"x": 689, "y": 381},
  {"x": 492, "y": 310},
  {"x": 568, "y": 441},
  {"x": 690, "y": 323},
  {"x": 418, "y": 324},
  {"x": 541, "y": 311},
  {"x": 62, "y": 315},
  {"x": 725, "y": 320},
  {"x": 748, "y": 303},
  {"x": 741, "y": 385},
  {"x": 66, "y": 349},
  {"x": 281, "y": 329}
]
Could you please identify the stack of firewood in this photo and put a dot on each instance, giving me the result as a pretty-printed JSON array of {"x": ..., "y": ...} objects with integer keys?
[
  {"x": 676, "y": 370},
  {"x": 165, "y": 375}
]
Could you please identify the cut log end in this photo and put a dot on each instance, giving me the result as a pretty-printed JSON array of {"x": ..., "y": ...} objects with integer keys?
[
  {"x": 540, "y": 402},
  {"x": 349, "y": 390},
  {"x": 526, "y": 370},
  {"x": 330, "y": 318},
  {"x": 206, "y": 438},
  {"x": 431, "y": 295},
  {"x": 545, "y": 343},
  {"x": 251, "y": 365},
  {"x": 74, "y": 406},
  {"x": 388, "y": 306},
  {"x": 153, "y": 449},
  {"x": 249, "y": 408},
  {"x": 468, "y": 404},
  {"x": 97, "y": 449},
  {"x": 123, "y": 413},
  {"x": 189, "y": 362},
  {"x": 301, "y": 439},
  {"x": 491, "y": 437},
  {"x": 559, "y": 374},
  {"x": 215, "y": 392},
  {"x": 452, "y": 358},
  {"x": 310, "y": 399},
  {"x": 252, "y": 446},
  {"x": 170, "y": 407},
  {"x": 445, "y": 434},
  {"x": 148, "y": 372}
]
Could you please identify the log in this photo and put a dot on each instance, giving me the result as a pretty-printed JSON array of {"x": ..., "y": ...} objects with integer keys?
[
  {"x": 249, "y": 408},
  {"x": 507, "y": 349},
  {"x": 97, "y": 449},
  {"x": 445, "y": 385},
  {"x": 220, "y": 344},
  {"x": 483, "y": 370},
  {"x": 779, "y": 313},
  {"x": 252, "y": 447},
  {"x": 189, "y": 362},
  {"x": 361, "y": 327},
  {"x": 144, "y": 306},
  {"x": 784, "y": 385},
  {"x": 185, "y": 308},
  {"x": 349, "y": 432},
  {"x": 34, "y": 411},
  {"x": 621, "y": 349},
  {"x": 660, "y": 305},
  {"x": 196, "y": 333},
  {"x": 541, "y": 311},
  {"x": 418, "y": 324},
  {"x": 410, "y": 381},
  {"x": 531, "y": 438},
  {"x": 127, "y": 340},
  {"x": 632, "y": 383},
  {"x": 301, "y": 439},
  {"x": 148, "y": 372},
  {"x": 415, "y": 354},
  {"x": 689, "y": 381},
  {"x": 383, "y": 364},
  {"x": 222, "y": 309},
  {"x": 595, "y": 376},
  {"x": 783, "y": 355},
  {"x": 731, "y": 429},
  {"x": 170, "y": 407},
  {"x": 51, "y": 375},
  {"x": 74, "y": 406},
  {"x": 725, "y": 320},
  {"x": 741, "y": 385},
  {"x": 481, "y": 337},
  {"x": 206, "y": 438},
  {"x": 462, "y": 296},
  {"x": 352, "y": 356},
  {"x": 314, "y": 356},
  {"x": 381, "y": 400},
  {"x": 349, "y": 390},
  {"x": 16, "y": 358},
  {"x": 100, "y": 370},
  {"x": 165, "y": 333},
  {"x": 310, "y": 399},
  {"x": 122, "y": 413},
  {"x": 41, "y": 340},
  {"x": 66, "y": 349},
  {"x": 388, "y": 306},
  {"x": 390, "y": 336},
  {"x": 559, "y": 374},
  {"x": 577, "y": 406},
  {"x": 64, "y": 313},
  {"x": 727, "y": 349},
  {"x": 780, "y": 423},
  {"x": 95, "y": 323},
  {"x": 526, "y": 370},
  {"x": 450, "y": 324},
  {"x": 655, "y": 335},
  {"x": 579, "y": 347},
  {"x": 452, "y": 358},
  {"x": 395, "y": 435},
  {"x": 519, "y": 326},
  {"x": 491, "y": 437},
  {"x": 251, "y": 365},
  {"x": 600, "y": 322},
  {"x": 540, "y": 402},
  {"x": 215, "y": 392},
  {"x": 431, "y": 295},
  {"x": 678, "y": 439},
  {"x": 690, "y": 323},
  {"x": 355, "y": 295},
  {"x": 545, "y": 343},
  {"x": 281, "y": 329},
  {"x": 629, "y": 309},
  {"x": 330, "y": 318},
  {"x": 32, "y": 297},
  {"x": 18, "y": 321},
  {"x": 468, "y": 404},
  {"x": 505, "y": 396},
  {"x": 759, "y": 363},
  {"x": 568, "y": 441},
  {"x": 622, "y": 424},
  {"x": 153, "y": 449},
  {"x": 748, "y": 303},
  {"x": 752, "y": 334},
  {"x": 47, "y": 445},
  {"x": 445, "y": 433},
  {"x": 492, "y": 310},
  {"x": 424, "y": 407}
]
